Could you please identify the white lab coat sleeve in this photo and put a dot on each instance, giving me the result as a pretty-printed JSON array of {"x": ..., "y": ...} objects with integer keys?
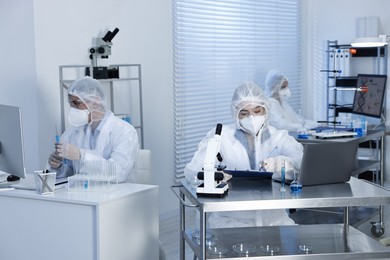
[
  {"x": 123, "y": 152},
  {"x": 65, "y": 170}
]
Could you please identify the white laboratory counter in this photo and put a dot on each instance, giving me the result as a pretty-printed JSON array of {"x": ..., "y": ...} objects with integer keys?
[{"x": 116, "y": 225}]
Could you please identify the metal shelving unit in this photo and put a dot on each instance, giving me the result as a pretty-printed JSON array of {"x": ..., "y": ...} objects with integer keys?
[
  {"x": 337, "y": 73},
  {"x": 374, "y": 60},
  {"x": 124, "y": 92},
  {"x": 336, "y": 54}
]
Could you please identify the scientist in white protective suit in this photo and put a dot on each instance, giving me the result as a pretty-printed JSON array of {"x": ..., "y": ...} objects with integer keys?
[
  {"x": 96, "y": 134},
  {"x": 247, "y": 145},
  {"x": 282, "y": 115}
]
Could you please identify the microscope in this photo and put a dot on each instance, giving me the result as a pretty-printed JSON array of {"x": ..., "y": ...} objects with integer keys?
[
  {"x": 102, "y": 49},
  {"x": 212, "y": 180}
]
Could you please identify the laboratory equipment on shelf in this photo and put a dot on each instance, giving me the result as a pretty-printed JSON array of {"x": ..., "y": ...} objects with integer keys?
[
  {"x": 212, "y": 180},
  {"x": 102, "y": 49},
  {"x": 343, "y": 65}
]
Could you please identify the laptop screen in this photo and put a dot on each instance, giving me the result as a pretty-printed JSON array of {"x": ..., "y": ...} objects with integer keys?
[{"x": 328, "y": 162}]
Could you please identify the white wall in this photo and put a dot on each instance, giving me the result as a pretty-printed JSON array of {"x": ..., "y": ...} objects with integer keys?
[
  {"x": 336, "y": 20},
  {"x": 17, "y": 70}
]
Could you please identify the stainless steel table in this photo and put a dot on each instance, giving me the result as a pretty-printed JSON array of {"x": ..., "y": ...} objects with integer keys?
[{"x": 335, "y": 241}]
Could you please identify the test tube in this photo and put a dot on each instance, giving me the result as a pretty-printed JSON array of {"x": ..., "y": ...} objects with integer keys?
[
  {"x": 283, "y": 177},
  {"x": 57, "y": 135}
]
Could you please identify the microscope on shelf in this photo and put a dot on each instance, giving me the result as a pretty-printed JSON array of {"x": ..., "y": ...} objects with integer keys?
[
  {"x": 102, "y": 49},
  {"x": 212, "y": 178}
]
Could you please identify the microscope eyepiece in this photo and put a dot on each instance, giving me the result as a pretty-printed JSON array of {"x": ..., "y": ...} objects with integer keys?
[{"x": 110, "y": 35}]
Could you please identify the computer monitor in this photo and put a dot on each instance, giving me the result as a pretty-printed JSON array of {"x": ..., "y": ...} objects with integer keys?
[
  {"x": 370, "y": 102},
  {"x": 11, "y": 141}
]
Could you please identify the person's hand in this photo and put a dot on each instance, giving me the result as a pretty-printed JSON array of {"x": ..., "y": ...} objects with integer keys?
[
  {"x": 55, "y": 160},
  {"x": 226, "y": 177},
  {"x": 68, "y": 151},
  {"x": 274, "y": 164}
]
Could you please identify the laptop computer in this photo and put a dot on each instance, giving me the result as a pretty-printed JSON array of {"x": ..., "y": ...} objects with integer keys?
[{"x": 326, "y": 163}]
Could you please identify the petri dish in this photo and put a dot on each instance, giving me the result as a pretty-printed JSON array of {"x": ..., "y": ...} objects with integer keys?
[
  {"x": 306, "y": 249},
  {"x": 217, "y": 250},
  {"x": 244, "y": 248},
  {"x": 270, "y": 250},
  {"x": 210, "y": 237}
]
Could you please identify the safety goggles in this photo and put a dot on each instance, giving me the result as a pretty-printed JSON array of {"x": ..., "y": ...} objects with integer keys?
[
  {"x": 76, "y": 102},
  {"x": 256, "y": 111}
]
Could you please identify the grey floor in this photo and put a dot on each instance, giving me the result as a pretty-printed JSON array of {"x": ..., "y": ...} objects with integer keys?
[
  {"x": 169, "y": 235},
  {"x": 360, "y": 218}
]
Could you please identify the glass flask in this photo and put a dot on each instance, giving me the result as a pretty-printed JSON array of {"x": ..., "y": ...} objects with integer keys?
[
  {"x": 295, "y": 185},
  {"x": 303, "y": 132}
]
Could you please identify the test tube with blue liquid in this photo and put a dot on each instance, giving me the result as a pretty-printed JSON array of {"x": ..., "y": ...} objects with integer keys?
[
  {"x": 58, "y": 138},
  {"x": 57, "y": 135},
  {"x": 283, "y": 177}
]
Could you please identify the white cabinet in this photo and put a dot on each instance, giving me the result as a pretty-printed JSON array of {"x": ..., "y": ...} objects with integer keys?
[
  {"x": 124, "y": 92},
  {"x": 122, "y": 224}
]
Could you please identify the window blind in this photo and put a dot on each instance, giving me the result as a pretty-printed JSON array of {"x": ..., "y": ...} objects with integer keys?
[{"x": 217, "y": 46}]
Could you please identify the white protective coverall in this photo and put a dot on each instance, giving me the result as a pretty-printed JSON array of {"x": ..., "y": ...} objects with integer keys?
[
  {"x": 270, "y": 145},
  {"x": 282, "y": 115},
  {"x": 106, "y": 137}
]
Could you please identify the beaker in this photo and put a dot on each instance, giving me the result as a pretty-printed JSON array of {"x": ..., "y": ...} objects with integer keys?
[{"x": 295, "y": 185}]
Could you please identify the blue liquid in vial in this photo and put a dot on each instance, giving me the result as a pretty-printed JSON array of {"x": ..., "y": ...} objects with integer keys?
[
  {"x": 295, "y": 187},
  {"x": 303, "y": 136}
]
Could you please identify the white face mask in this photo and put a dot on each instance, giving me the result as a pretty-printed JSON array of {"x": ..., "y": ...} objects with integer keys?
[
  {"x": 285, "y": 93},
  {"x": 78, "y": 117},
  {"x": 252, "y": 124}
]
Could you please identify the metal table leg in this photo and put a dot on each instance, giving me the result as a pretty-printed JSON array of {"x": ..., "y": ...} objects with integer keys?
[
  {"x": 378, "y": 228},
  {"x": 182, "y": 227}
]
